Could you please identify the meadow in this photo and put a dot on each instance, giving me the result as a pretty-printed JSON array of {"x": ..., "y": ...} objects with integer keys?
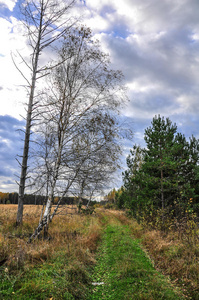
[{"x": 106, "y": 255}]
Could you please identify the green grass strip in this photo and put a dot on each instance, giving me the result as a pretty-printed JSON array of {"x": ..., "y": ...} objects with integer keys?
[
  {"x": 55, "y": 279},
  {"x": 123, "y": 270}
]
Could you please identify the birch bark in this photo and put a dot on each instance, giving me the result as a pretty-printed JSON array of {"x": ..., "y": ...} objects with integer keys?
[{"x": 40, "y": 19}]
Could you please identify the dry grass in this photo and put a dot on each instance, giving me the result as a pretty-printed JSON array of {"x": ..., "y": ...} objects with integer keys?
[
  {"x": 175, "y": 257},
  {"x": 76, "y": 234}
]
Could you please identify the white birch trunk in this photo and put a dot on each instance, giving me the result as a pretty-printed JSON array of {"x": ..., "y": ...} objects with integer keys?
[
  {"x": 28, "y": 124},
  {"x": 39, "y": 40}
]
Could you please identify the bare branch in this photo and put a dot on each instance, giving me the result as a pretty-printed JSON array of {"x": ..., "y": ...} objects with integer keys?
[{"x": 19, "y": 70}]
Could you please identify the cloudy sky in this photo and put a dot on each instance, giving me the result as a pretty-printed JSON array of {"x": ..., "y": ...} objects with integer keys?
[{"x": 154, "y": 43}]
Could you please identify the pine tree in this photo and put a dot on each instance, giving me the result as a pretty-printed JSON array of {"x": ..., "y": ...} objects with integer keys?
[
  {"x": 159, "y": 164},
  {"x": 168, "y": 176}
]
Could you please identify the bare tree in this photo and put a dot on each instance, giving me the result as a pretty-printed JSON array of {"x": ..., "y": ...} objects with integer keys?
[
  {"x": 82, "y": 93},
  {"x": 46, "y": 22}
]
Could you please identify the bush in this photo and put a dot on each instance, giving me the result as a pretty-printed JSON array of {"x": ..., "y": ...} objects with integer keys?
[{"x": 110, "y": 206}]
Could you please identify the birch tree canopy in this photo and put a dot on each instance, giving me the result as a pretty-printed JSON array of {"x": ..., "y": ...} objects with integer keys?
[{"x": 78, "y": 130}]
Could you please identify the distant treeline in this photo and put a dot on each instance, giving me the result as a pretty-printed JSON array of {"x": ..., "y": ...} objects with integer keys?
[{"x": 12, "y": 198}]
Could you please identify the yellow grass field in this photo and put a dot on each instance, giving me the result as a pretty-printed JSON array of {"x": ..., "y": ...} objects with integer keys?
[{"x": 65, "y": 228}]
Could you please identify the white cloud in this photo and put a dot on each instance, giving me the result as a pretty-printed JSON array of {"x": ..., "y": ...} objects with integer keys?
[
  {"x": 96, "y": 22},
  {"x": 158, "y": 55},
  {"x": 6, "y": 28},
  {"x": 10, "y": 4},
  {"x": 12, "y": 93}
]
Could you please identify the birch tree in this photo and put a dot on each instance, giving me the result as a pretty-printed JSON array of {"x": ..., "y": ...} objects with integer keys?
[
  {"x": 100, "y": 145},
  {"x": 78, "y": 108},
  {"x": 46, "y": 22}
]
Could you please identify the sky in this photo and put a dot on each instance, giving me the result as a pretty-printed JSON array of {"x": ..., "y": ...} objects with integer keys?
[{"x": 154, "y": 43}]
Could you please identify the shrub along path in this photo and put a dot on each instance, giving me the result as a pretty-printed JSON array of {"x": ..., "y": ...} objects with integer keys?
[{"x": 123, "y": 270}]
